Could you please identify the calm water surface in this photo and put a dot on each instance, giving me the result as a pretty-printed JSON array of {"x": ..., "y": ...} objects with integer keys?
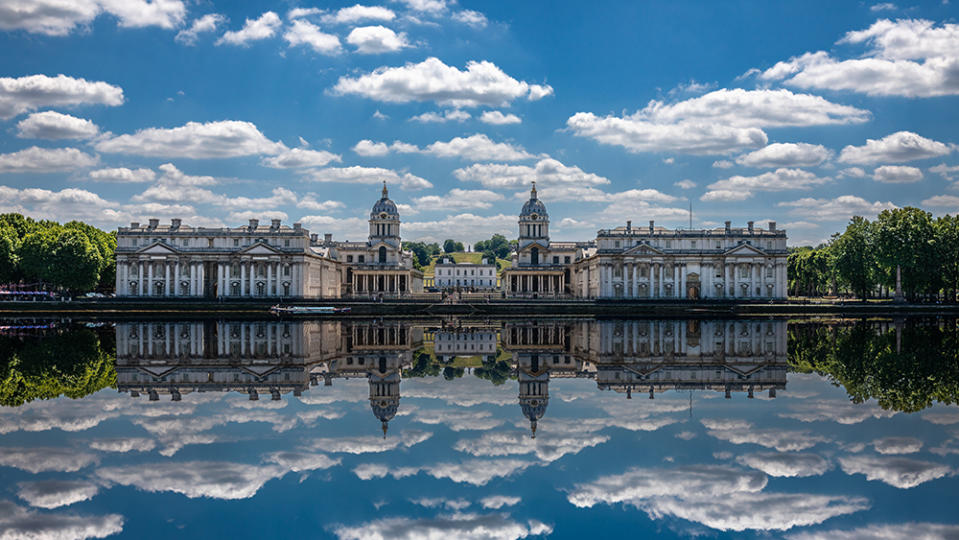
[{"x": 479, "y": 429}]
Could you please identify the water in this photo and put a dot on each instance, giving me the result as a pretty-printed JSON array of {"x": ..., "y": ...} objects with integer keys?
[{"x": 478, "y": 428}]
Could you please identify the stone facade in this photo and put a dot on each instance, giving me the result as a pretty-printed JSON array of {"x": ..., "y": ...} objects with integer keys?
[{"x": 451, "y": 275}]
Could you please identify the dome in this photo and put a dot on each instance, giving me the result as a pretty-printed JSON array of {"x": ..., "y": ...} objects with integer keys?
[
  {"x": 384, "y": 205},
  {"x": 384, "y": 408},
  {"x": 533, "y": 206},
  {"x": 534, "y": 408}
]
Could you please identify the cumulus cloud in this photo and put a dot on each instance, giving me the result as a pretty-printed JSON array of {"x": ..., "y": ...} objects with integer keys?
[
  {"x": 474, "y": 227},
  {"x": 203, "y": 25},
  {"x": 300, "y": 157},
  {"x": 457, "y": 525},
  {"x": 44, "y": 459},
  {"x": 897, "y": 445},
  {"x": 433, "y": 7},
  {"x": 376, "y": 40},
  {"x": 785, "y": 464},
  {"x": 897, "y": 174},
  {"x": 719, "y": 122},
  {"x": 839, "y": 411},
  {"x": 482, "y": 83},
  {"x": 548, "y": 446},
  {"x": 357, "y": 13},
  {"x": 942, "y": 201},
  {"x": 194, "y": 479},
  {"x": 195, "y": 140},
  {"x": 367, "y": 175},
  {"x": 471, "y": 18},
  {"x": 903, "y": 473},
  {"x": 458, "y": 198},
  {"x": 546, "y": 172},
  {"x": 894, "y": 148},
  {"x": 685, "y": 184},
  {"x": 477, "y": 472},
  {"x": 852, "y": 172},
  {"x": 25, "y": 94},
  {"x": 926, "y": 531},
  {"x": 451, "y": 115},
  {"x": 123, "y": 445},
  {"x": 18, "y": 522},
  {"x": 56, "y": 18},
  {"x": 946, "y": 171},
  {"x": 53, "y": 125},
  {"x": 742, "y": 187},
  {"x": 782, "y": 440},
  {"x": 478, "y": 147},
  {"x": 841, "y": 208},
  {"x": 786, "y": 155},
  {"x": 369, "y": 444},
  {"x": 263, "y": 27},
  {"x": 497, "y": 118},
  {"x": 306, "y": 33},
  {"x": 55, "y": 493},
  {"x": 45, "y": 160},
  {"x": 716, "y": 496},
  {"x": 907, "y": 57},
  {"x": 723, "y": 164},
  {"x": 495, "y": 502}
]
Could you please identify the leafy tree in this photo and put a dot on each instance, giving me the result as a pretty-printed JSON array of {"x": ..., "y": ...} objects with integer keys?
[
  {"x": 496, "y": 247},
  {"x": 947, "y": 245},
  {"x": 9, "y": 267},
  {"x": 810, "y": 270},
  {"x": 451, "y": 246},
  {"x": 36, "y": 255},
  {"x": 905, "y": 238},
  {"x": 854, "y": 256}
]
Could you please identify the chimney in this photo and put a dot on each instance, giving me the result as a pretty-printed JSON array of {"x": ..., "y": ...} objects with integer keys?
[
  {"x": 728, "y": 224},
  {"x": 651, "y": 226},
  {"x": 134, "y": 224},
  {"x": 275, "y": 224},
  {"x": 749, "y": 225},
  {"x": 154, "y": 223},
  {"x": 175, "y": 223},
  {"x": 328, "y": 239},
  {"x": 772, "y": 226},
  {"x": 629, "y": 226},
  {"x": 254, "y": 223},
  {"x": 314, "y": 238},
  {"x": 297, "y": 227}
]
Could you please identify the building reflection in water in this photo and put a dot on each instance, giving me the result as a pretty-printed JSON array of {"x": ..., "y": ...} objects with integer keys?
[{"x": 281, "y": 357}]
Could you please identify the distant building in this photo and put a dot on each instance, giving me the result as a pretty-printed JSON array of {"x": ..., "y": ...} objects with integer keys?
[
  {"x": 449, "y": 274},
  {"x": 379, "y": 265},
  {"x": 254, "y": 261}
]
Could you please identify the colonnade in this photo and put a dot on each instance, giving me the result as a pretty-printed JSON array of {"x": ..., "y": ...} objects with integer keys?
[
  {"x": 380, "y": 282},
  {"x": 551, "y": 284},
  {"x": 236, "y": 278},
  {"x": 652, "y": 279}
]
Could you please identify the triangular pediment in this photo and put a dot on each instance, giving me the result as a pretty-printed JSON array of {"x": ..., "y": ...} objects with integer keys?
[
  {"x": 157, "y": 248},
  {"x": 643, "y": 249},
  {"x": 536, "y": 244},
  {"x": 158, "y": 371},
  {"x": 260, "y": 248},
  {"x": 745, "y": 249}
]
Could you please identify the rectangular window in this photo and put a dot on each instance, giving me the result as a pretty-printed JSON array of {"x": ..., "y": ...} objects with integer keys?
[
  {"x": 286, "y": 243},
  {"x": 236, "y": 242},
  {"x": 362, "y": 258},
  {"x": 555, "y": 260},
  {"x": 719, "y": 245},
  {"x": 349, "y": 258},
  {"x": 669, "y": 244},
  {"x": 134, "y": 242},
  {"x": 566, "y": 259},
  {"x": 694, "y": 244}
]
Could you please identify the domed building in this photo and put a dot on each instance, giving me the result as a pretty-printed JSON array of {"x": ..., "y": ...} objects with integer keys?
[
  {"x": 379, "y": 266},
  {"x": 540, "y": 267}
]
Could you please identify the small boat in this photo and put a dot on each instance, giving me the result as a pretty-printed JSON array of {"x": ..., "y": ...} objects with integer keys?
[{"x": 307, "y": 310}]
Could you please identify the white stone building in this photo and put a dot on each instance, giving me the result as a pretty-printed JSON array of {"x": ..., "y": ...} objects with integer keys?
[
  {"x": 657, "y": 263},
  {"x": 449, "y": 274},
  {"x": 255, "y": 261}
]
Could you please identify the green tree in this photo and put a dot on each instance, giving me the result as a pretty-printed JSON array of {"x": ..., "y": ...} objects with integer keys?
[
  {"x": 906, "y": 238},
  {"x": 451, "y": 246},
  {"x": 854, "y": 257},
  {"x": 76, "y": 263},
  {"x": 947, "y": 245},
  {"x": 36, "y": 255},
  {"x": 9, "y": 266}
]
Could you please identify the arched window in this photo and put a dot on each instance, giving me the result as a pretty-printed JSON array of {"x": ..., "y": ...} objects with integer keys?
[{"x": 382, "y": 254}]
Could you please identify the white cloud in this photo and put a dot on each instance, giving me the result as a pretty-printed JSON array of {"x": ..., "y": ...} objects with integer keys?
[
  {"x": 55, "y": 493},
  {"x": 29, "y": 93},
  {"x": 482, "y": 83},
  {"x": 549, "y": 446},
  {"x": 57, "y": 18},
  {"x": 357, "y": 13},
  {"x": 737, "y": 188},
  {"x": 53, "y": 125},
  {"x": 472, "y": 227},
  {"x": 221, "y": 139},
  {"x": 546, "y": 172},
  {"x": 457, "y": 525},
  {"x": 839, "y": 411},
  {"x": 300, "y": 157},
  {"x": 45, "y": 160},
  {"x": 942, "y": 201},
  {"x": 925, "y": 531},
  {"x": 18, "y": 522},
  {"x": 205, "y": 24},
  {"x": 449, "y": 504},
  {"x": 376, "y": 40},
  {"x": 894, "y": 148},
  {"x": 44, "y": 459},
  {"x": 723, "y": 164},
  {"x": 476, "y": 472},
  {"x": 305, "y": 33},
  {"x": 367, "y": 175},
  {"x": 841, "y": 208},
  {"x": 785, "y": 464},
  {"x": 786, "y": 155},
  {"x": 946, "y": 171},
  {"x": 458, "y": 198},
  {"x": 719, "y": 497},
  {"x": 478, "y": 147},
  {"x": 310, "y": 203},
  {"x": 369, "y": 444},
  {"x": 897, "y": 445},
  {"x": 497, "y": 118},
  {"x": 908, "y": 57},
  {"x": 471, "y": 18},
  {"x": 495, "y": 502},
  {"x": 852, "y": 172},
  {"x": 897, "y": 174},
  {"x": 434, "y": 7},
  {"x": 253, "y": 30},
  {"x": 903, "y": 473},
  {"x": 433, "y": 117},
  {"x": 685, "y": 184},
  {"x": 884, "y": 6},
  {"x": 782, "y": 440},
  {"x": 123, "y": 445}
]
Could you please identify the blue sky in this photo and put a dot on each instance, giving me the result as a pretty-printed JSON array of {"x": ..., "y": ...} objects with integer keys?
[{"x": 800, "y": 112}]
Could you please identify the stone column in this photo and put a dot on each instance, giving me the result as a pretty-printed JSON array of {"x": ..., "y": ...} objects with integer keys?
[
  {"x": 269, "y": 279},
  {"x": 242, "y": 278},
  {"x": 176, "y": 279},
  {"x": 682, "y": 281},
  {"x": 219, "y": 279},
  {"x": 660, "y": 271}
]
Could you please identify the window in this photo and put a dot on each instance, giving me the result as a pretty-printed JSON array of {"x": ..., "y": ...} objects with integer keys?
[
  {"x": 286, "y": 269},
  {"x": 186, "y": 242},
  {"x": 616, "y": 243},
  {"x": 769, "y": 271},
  {"x": 555, "y": 260},
  {"x": 134, "y": 242},
  {"x": 362, "y": 258},
  {"x": 769, "y": 245},
  {"x": 210, "y": 242},
  {"x": 668, "y": 244},
  {"x": 236, "y": 242},
  {"x": 719, "y": 245},
  {"x": 286, "y": 243},
  {"x": 566, "y": 259},
  {"x": 694, "y": 244}
]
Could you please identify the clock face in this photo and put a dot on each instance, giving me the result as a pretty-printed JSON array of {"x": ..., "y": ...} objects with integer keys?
[
  {"x": 383, "y": 215},
  {"x": 534, "y": 216}
]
